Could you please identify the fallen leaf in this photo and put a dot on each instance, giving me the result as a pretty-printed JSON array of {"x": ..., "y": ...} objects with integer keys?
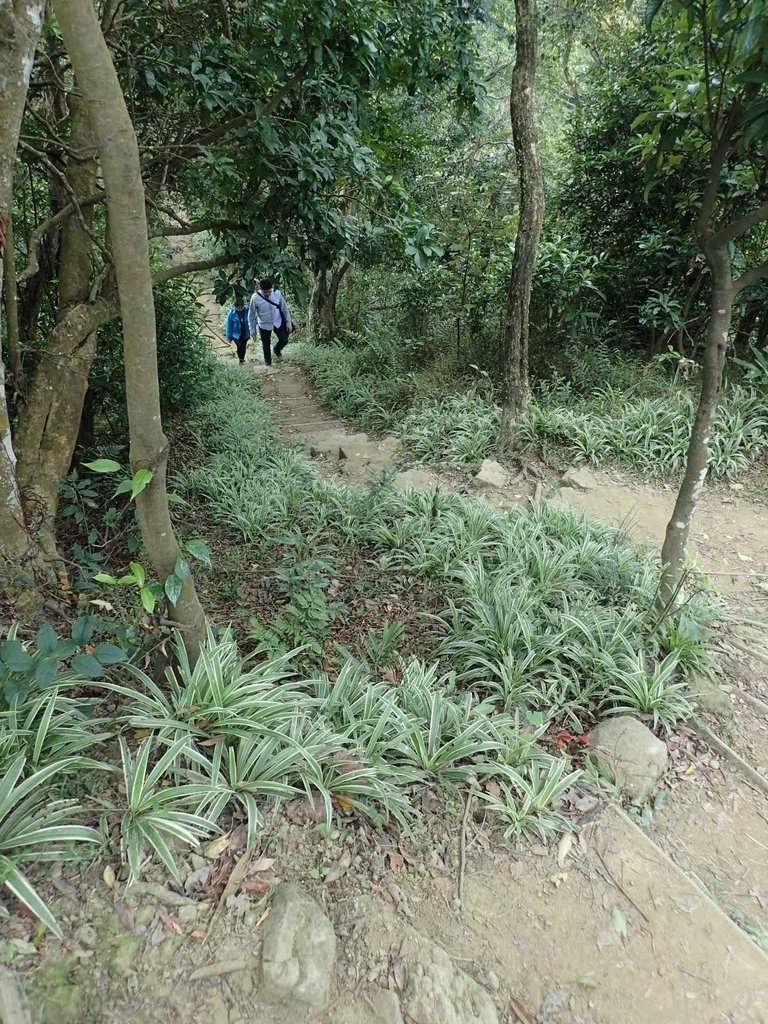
[
  {"x": 339, "y": 868},
  {"x": 396, "y": 861},
  {"x": 559, "y": 878},
  {"x": 564, "y": 847},
  {"x": 345, "y": 805},
  {"x": 262, "y": 864},
  {"x": 587, "y": 981},
  {"x": 109, "y": 877},
  {"x": 619, "y": 923},
  {"x": 170, "y": 923},
  {"x": 520, "y": 1013},
  {"x": 198, "y": 933},
  {"x": 216, "y": 847}
]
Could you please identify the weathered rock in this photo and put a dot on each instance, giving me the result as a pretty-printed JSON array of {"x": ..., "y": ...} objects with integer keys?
[
  {"x": 579, "y": 478},
  {"x": 631, "y": 752},
  {"x": 436, "y": 992},
  {"x": 298, "y": 950},
  {"x": 711, "y": 697},
  {"x": 418, "y": 479},
  {"x": 491, "y": 474},
  {"x": 386, "y": 1007},
  {"x": 13, "y": 1005}
]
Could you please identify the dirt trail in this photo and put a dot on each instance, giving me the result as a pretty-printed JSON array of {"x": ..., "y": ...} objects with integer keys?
[{"x": 619, "y": 924}]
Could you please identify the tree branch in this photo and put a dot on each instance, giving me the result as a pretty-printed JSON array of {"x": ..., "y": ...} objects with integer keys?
[
  {"x": 751, "y": 276},
  {"x": 740, "y": 226},
  {"x": 193, "y": 267},
  {"x": 195, "y": 228}
]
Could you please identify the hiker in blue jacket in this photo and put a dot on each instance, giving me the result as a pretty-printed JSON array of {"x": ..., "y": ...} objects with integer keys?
[
  {"x": 269, "y": 312},
  {"x": 237, "y": 328}
]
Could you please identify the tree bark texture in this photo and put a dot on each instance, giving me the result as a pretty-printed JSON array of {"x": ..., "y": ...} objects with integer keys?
[
  {"x": 119, "y": 154},
  {"x": 20, "y": 24},
  {"x": 13, "y": 338},
  {"x": 50, "y": 420},
  {"x": 515, "y": 388}
]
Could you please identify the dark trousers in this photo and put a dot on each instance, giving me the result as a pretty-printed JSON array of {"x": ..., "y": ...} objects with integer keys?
[
  {"x": 266, "y": 341},
  {"x": 241, "y": 345}
]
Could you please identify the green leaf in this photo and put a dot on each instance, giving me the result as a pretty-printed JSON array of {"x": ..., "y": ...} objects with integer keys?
[
  {"x": 138, "y": 572},
  {"x": 87, "y": 665},
  {"x": 653, "y": 8},
  {"x": 140, "y": 480},
  {"x": 199, "y": 550},
  {"x": 103, "y": 466},
  {"x": 104, "y": 577},
  {"x": 109, "y": 654},
  {"x": 619, "y": 923},
  {"x": 123, "y": 487},
  {"x": 45, "y": 671},
  {"x": 181, "y": 569},
  {"x": 758, "y": 77},
  {"x": 46, "y": 639},
  {"x": 751, "y": 35},
  {"x": 148, "y": 599},
  {"x": 758, "y": 129},
  {"x": 15, "y": 657},
  {"x": 173, "y": 587},
  {"x": 82, "y": 631}
]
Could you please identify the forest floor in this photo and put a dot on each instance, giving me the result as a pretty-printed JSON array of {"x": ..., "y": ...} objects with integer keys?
[{"x": 659, "y": 913}]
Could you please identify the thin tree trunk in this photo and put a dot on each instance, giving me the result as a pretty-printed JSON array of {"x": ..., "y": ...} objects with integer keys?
[
  {"x": 678, "y": 528},
  {"x": 515, "y": 386},
  {"x": 50, "y": 421},
  {"x": 329, "y": 325},
  {"x": 19, "y": 30},
  {"x": 317, "y": 301},
  {"x": 13, "y": 339},
  {"x": 119, "y": 153}
]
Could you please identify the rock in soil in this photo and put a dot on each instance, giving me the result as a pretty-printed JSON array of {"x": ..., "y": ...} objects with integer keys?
[
  {"x": 386, "y": 1007},
  {"x": 418, "y": 479},
  {"x": 436, "y": 992},
  {"x": 491, "y": 474},
  {"x": 579, "y": 478},
  {"x": 298, "y": 951},
  {"x": 631, "y": 751}
]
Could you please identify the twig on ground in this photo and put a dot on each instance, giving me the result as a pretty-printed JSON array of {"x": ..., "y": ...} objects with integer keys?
[
  {"x": 463, "y": 848},
  {"x": 615, "y": 882}
]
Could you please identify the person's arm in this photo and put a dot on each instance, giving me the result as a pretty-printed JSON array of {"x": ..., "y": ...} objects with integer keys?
[
  {"x": 252, "y": 318},
  {"x": 229, "y": 325}
]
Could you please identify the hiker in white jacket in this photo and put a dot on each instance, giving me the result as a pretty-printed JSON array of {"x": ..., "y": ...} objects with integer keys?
[{"x": 269, "y": 311}]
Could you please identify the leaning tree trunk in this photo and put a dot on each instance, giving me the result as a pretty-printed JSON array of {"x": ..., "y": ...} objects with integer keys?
[
  {"x": 119, "y": 154},
  {"x": 679, "y": 526},
  {"x": 19, "y": 30},
  {"x": 514, "y": 396}
]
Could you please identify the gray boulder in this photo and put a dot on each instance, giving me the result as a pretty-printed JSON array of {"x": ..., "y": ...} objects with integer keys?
[
  {"x": 579, "y": 478},
  {"x": 630, "y": 751},
  {"x": 298, "y": 951},
  {"x": 386, "y": 1007},
  {"x": 491, "y": 474},
  {"x": 436, "y": 992}
]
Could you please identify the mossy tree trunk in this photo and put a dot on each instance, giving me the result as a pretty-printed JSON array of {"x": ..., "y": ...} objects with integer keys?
[{"x": 119, "y": 155}]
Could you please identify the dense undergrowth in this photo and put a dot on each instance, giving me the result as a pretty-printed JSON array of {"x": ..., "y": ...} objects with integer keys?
[
  {"x": 543, "y": 619},
  {"x": 641, "y": 422}
]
